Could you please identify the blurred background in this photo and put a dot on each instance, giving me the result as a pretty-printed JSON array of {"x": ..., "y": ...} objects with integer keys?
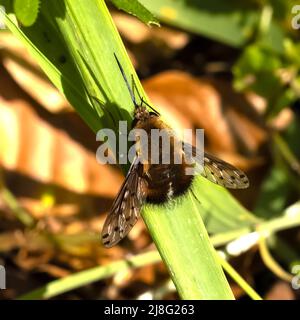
[{"x": 230, "y": 69}]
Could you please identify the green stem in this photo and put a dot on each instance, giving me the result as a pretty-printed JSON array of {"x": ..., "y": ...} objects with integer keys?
[
  {"x": 76, "y": 280},
  {"x": 239, "y": 280}
]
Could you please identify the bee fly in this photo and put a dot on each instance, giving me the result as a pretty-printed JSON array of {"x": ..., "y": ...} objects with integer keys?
[{"x": 158, "y": 183}]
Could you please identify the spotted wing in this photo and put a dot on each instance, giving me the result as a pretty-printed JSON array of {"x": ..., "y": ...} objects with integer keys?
[
  {"x": 126, "y": 208},
  {"x": 219, "y": 171}
]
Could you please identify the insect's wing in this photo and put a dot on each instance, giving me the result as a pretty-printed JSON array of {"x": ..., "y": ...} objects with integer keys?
[
  {"x": 126, "y": 207},
  {"x": 223, "y": 173},
  {"x": 219, "y": 171}
]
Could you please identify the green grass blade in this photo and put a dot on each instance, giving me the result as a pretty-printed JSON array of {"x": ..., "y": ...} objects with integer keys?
[
  {"x": 64, "y": 77},
  {"x": 183, "y": 243}
]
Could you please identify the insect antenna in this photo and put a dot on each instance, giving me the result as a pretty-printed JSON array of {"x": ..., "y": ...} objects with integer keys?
[
  {"x": 126, "y": 81},
  {"x": 134, "y": 87}
]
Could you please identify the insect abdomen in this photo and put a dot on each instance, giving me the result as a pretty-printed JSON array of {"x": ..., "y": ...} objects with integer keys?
[{"x": 166, "y": 182}]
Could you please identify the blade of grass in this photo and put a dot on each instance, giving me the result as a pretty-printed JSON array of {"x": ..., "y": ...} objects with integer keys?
[
  {"x": 64, "y": 77},
  {"x": 183, "y": 243}
]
